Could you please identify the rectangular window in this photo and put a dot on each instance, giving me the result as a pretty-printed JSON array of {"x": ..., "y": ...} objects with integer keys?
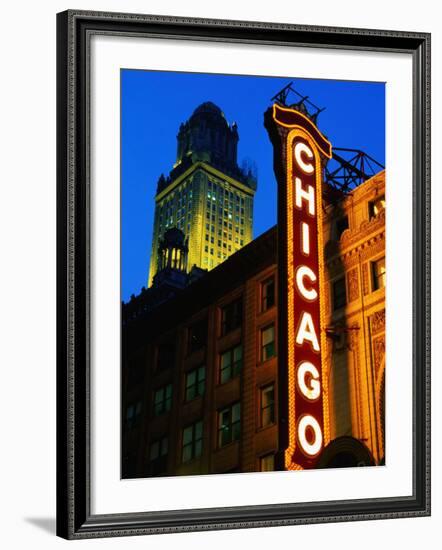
[
  {"x": 231, "y": 316},
  {"x": 133, "y": 413},
  {"x": 267, "y": 343},
  {"x": 267, "y": 415},
  {"x": 267, "y": 294},
  {"x": 378, "y": 273},
  {"x": 229, "y": 425},
  {"x": 339, "y": 293},
  {"x": 197, "y": 335},
  {"x": 376, "y": 206},
  {"x": 192, "y": 441},
  {"x": 166, "y": 355},
  {"x": 158, "y": 452},
  {"x": 267, "y": 463},
  {"x": 195, "y": 383},
  {"x": 230, "y": 364},
  {"x": 162, "y": 400}
]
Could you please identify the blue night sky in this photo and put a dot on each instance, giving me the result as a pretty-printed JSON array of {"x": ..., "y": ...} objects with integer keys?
[{"x": 354, "y": 118}]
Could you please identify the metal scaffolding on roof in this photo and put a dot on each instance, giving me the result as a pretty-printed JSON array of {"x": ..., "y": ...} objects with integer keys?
[{"x": 347, "y": 168}]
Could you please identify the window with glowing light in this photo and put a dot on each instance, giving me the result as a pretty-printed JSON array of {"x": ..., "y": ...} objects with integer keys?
[
  {"x": 267, "y": 413},
  {"x": 229, "y": 424},
  {"x": 378, "y": 274},
  {"x": 376, "y": 206},
  {"x": 268, "y": 349},
  {"x": 267, "y": 463}
]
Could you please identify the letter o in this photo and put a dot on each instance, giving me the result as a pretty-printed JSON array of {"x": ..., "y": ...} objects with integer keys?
[{"x": 310, "y": 449}]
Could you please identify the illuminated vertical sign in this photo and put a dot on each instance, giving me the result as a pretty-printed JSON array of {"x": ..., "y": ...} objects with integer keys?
[{"x": 299, "y": 149}]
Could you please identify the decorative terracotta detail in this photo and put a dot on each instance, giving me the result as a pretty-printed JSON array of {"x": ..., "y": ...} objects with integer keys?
[
  {"x": 378, "y": 322},
  {"x": 352, "y": 338},
  {"x": 353, "y": 285},
  {"x": 365, "y": 278},
  {"x": 346, "y": 236},
  {"x": 363, "y": 226},
  {"x": 378, "y": 353}
]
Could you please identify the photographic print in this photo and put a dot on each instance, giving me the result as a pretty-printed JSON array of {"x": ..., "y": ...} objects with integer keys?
[
  {"x": 243, "y": 306},
  {"x": 253, "y": 273}
]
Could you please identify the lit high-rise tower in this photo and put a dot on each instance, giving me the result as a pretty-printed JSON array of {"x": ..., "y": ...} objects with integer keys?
[{"x": 206, "y": 195}]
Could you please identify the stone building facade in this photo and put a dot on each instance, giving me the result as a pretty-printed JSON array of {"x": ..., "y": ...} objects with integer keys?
[{"x": 200, "y": 378}]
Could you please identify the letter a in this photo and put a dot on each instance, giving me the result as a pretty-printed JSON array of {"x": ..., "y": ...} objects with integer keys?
[{"x": 306, "y": 331}]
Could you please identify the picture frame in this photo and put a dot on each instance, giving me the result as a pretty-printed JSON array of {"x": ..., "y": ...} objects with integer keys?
[{"x": 75, "y": 517}]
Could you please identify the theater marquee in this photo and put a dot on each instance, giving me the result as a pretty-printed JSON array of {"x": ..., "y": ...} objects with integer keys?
[{"x": 299, "y": 151}]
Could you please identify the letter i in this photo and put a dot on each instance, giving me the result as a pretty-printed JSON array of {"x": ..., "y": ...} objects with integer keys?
[{"x": 305, "y": 231}]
